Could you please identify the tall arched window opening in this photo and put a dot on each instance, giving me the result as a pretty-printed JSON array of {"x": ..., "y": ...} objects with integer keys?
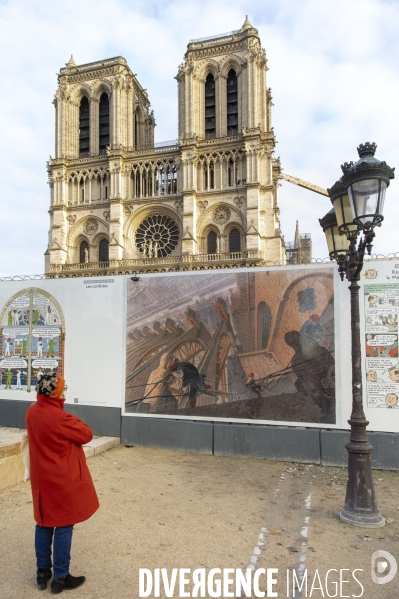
[
  {"x": 160, "y": 180},
  {"x": 234, "y": 241},
  {"x": 212, "y": 242},
  {"x": 210, "y": 107},
  {"x": 232, "y": 103},
  {"x": 174, "y": 179},
  {"x": 138, "y": 185},
  {"x": 103, "y": 251},
  {"x": 84, "y": 252},
  {"x": 232, "y": 173},
  {"x": 104, "y": 123},
  {"x": 264, "y": 322},
  {"x": 205, "y": 176},
  {"x": 211, "y": 175},
  {"x": 139, "y": 142},
  {"x": 144, "y": 180},
  {"x": 84, "y": 127}
]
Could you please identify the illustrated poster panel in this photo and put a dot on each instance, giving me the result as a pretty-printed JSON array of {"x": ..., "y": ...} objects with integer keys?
[
  {"x": 32, "y": 339},
  {"x": 381, "y": 330},
  {"x": 253, "y": 345}
]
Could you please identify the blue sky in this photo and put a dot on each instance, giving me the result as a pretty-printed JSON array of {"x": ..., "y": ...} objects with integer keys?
[{"x": 333, "y": 70}]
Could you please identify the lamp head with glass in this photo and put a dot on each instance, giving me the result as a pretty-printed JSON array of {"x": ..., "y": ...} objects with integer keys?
[
  {"x": 338, "y": 244},
  {"x": 366, "y": 182},
  {"x": 343, "y": 210}
]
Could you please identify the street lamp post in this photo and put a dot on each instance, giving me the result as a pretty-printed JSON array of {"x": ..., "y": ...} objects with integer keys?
[{"x": 358, "y": 200}]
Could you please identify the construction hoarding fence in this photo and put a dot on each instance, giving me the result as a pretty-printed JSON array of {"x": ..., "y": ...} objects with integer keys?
[{"x": 265, "y": 346}]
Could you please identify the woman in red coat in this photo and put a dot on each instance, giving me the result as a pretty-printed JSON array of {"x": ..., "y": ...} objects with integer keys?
[{"x": 62, "y": 489}]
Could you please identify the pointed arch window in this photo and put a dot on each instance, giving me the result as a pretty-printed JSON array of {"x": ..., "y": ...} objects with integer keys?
[
  {"x": 234, "y": 241},
  {"x": 139, "y": 140},
  {"x": 232, "y": 103},
  {"x": 84, "y": 127},
  {"x": 212, "y": 242},
  {"x": 138, "y": 184},
  {"x": 209, "y": 175},
  {"x": 264, "y": 322},
  {"x": 160, "y": 180},
  {"x": 84, "y": 252},
  {"x": 103, "y": 251},
  {"x": 173, "y": 181},
  {"x": 232, "y": 173},
  {"x": 104, "y": 123},
  {"x": 210, "y": 107}
]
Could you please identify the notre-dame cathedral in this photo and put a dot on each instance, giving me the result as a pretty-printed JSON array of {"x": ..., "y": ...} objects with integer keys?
[{"x": 121, "y": 203}]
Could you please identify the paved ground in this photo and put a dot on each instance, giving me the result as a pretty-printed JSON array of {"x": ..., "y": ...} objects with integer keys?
[{"x": 164, "y": 509}]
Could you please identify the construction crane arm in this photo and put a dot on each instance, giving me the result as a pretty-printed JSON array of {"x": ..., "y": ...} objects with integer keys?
[{"x": 304, "y": 184}]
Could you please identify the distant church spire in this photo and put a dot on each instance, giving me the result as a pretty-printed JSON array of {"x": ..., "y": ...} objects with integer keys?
[{"x": 297, "y": 241}]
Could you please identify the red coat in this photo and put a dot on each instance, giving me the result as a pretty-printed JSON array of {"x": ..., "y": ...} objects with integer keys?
[{"x": 62, "y": 488}]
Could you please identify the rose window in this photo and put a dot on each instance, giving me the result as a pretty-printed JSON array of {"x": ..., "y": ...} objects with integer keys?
[
  {"x": 221, "y": 215},
  {"x": 157, "y": 236},
  {"x": 91, "y": 226}
]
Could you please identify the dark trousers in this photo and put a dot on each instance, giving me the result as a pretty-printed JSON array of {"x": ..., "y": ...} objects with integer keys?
[{"x": 61, "y": 551}]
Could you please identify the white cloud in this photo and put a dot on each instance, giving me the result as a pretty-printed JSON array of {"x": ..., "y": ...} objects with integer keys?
[{"x": 333, "y": 72}]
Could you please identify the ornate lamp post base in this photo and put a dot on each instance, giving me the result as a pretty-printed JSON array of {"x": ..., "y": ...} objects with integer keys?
[{"x": 360, "y": 507}]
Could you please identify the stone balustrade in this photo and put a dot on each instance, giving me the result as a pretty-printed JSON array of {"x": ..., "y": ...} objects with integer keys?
[{"x": 167, "y": 263}]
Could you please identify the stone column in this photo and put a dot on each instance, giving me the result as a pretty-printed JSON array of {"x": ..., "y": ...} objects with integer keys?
[
  {"x": 129, "y": 115},
  {"x": 189, "y": 244},
  {"x": 58, "y": 103},
  {"x": 250, "y": 91},
  {"x": 116, "y": 248},
  {"x": 75, "y": 130},
  {"x": 90, "y": 190},
  {"x": 114, "y": 106},
  {"x": 94, "y": 127},
  {"x": 221, "y": 118},
  {"x": 262, "y": 91},
  {"x": 58, "y": 247},
  {"x": 188, "y": 103},
  {"x": 253, "y": 224}
]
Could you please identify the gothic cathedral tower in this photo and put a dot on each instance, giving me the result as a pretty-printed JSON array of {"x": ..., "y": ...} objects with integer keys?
[{"x": 121, "y": 203}]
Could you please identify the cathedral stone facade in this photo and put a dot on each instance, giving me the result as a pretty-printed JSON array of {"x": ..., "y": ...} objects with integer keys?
[{"x": 120, "y": 203}]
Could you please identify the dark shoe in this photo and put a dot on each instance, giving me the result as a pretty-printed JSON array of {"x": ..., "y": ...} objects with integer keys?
[
  {"x": 66, "y": 583},
  {"x": 43, "y": 576}
]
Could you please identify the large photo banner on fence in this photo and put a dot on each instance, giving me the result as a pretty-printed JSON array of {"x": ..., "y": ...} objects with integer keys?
[{"x": 253, "y": 345}]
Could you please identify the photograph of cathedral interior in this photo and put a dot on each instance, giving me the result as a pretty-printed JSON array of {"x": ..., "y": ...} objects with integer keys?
[
  {"x": 249, "y": 345},
  {"x": 208, "y": 199}
]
